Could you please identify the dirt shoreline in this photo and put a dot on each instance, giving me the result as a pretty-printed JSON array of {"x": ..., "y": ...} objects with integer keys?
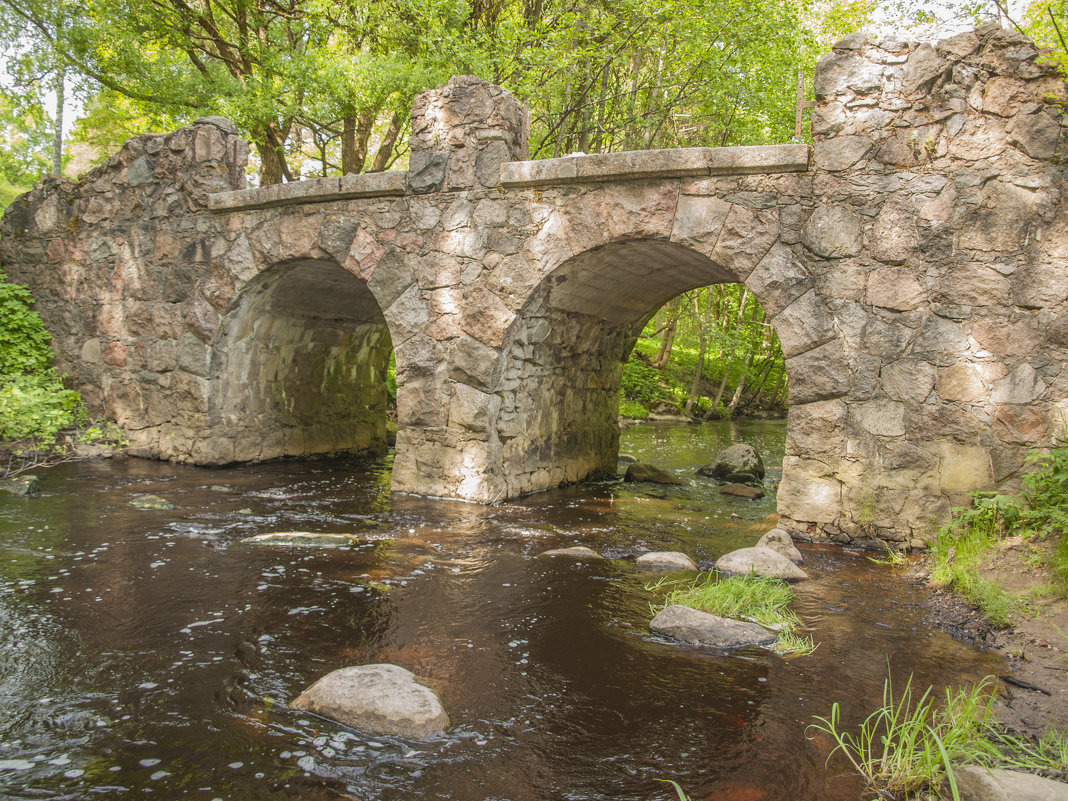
[{"x": 1035, "y": 648}]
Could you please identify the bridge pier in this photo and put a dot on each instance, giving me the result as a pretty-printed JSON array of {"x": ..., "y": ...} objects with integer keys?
[{"x": 916, "y": 272}]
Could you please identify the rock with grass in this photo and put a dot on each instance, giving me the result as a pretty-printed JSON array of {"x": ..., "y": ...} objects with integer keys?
[
  {"x": 779, "y": 540},
  {"x": 990, "y": 784},
  {"x": 666, "y": 560},
  {"x": 303, "y": 539},
  {"x": 742, "y": 491},
  {"x": 574, "y": 552},
  {"x": 693, "y": 626},
  {"x": 759, "y": 561},
  {"x": 24, "y": 486},
  {"x": 738, "y": 458},
  {"x": 376, "y": 699},
  {"x": 152, "y": 502},
  {"x": 639, "y": 471}
]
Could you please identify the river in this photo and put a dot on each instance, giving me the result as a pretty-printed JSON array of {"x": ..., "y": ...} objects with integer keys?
[{"x": 150, "y": 654}]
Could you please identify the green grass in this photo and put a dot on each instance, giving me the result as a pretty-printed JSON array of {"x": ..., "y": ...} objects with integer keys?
[
  {"x": 961, "y": 547},
  {"x": 908, "y": 744},
  {"x": 760, "y": 600}
]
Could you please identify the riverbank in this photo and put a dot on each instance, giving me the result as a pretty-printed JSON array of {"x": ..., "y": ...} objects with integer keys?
[{"x": 1034, "y": 696}]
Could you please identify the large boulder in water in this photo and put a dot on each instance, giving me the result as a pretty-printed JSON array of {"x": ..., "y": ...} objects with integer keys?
[
  {"x": 666, "y": 560},
  {"x": 700, "y": 628},
  {"x": 639, "y": 471},
  {"x": 779, "y": 540},
  {"x": 762, "y": 562},
  {"x": 738, "y": 458},
  {"x": 376, "y": 699}
]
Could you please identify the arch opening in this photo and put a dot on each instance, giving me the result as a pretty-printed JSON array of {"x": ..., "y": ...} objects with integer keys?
[
  {"x": 559, "y": 391},
  {"x": 299, "y": 367}
]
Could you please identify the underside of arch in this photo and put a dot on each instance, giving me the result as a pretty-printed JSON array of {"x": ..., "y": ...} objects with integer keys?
[
  {"x": 560, "y": 384},
  {"x": 299, "y": 367}
]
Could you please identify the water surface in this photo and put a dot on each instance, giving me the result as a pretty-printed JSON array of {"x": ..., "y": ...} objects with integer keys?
[{"x": 149, "y": 654}]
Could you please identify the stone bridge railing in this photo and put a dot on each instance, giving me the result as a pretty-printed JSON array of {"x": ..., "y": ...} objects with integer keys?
[{"x": 915, "y": 269}]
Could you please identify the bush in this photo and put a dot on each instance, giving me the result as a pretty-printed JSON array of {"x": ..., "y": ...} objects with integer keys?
[{"x": 35, "y": 407}]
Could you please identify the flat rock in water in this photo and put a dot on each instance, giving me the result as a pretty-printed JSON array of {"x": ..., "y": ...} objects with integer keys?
[
  {"x": 668, "y": 560},
  {"x": 646, "y": 472},
  {"x": 986, "y": 784},
  {"x": 779, "y": 540},
  {"x": 304, "y": 539},
  {"x": 574, "y": 552},
  {"x": 700, "y": 628},
  {"x": 742, "y": 491},
  {"x": 760, "y": 561},
  {"x": 376, "y": 699},
  {"x": 152, "y": 502},
  {"x": 21, "y": 485}
]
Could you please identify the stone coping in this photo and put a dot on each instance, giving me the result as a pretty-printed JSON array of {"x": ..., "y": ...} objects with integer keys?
[
  {"x": 686, "y": 162},
  {"x": 312, "y": 190}
]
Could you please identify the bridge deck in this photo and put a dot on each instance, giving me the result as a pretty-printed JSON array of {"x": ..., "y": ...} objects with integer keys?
[{"x": 687, "y": 162}]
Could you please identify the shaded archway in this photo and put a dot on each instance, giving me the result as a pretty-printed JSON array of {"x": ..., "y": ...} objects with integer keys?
[
  {"x": 299, "y": 366},
  {"x": 560, "y": 382}
]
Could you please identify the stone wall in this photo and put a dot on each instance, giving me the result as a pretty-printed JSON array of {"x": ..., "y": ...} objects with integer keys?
[{"x": 915, "y": 272}]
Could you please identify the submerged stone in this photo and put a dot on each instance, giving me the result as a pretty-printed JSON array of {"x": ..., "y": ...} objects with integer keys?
[
  {"x": 305, "y": 539},
  {"x": 742, "y": 491},
  {"x": 152, "y": 502},
  {"x": 376, "y": 699},
  {"x": 574, "y": 552},
  {"x": 639, "y": 471},
  {"x": 21, "y": 485},
  {"x": 690, "y": 625}
]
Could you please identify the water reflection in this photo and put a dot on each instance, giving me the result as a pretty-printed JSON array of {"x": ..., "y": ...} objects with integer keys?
[{"x": 149, "y": 653}]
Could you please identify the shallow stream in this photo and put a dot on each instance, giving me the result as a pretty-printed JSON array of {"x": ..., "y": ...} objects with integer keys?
[{"x": 150, "y": 654}]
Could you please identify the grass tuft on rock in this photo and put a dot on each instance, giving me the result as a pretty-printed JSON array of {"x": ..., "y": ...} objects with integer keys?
[{"x": 761, "y": 600}]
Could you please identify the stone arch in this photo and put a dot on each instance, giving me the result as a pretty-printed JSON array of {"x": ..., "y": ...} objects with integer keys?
[
  {"x": 298, "y": 367},
  {"x": 563, "y": 359}
]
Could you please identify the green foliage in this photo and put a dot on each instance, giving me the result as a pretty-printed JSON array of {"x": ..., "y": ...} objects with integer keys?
[
  {"x": 34, "y": 409},
  {"x": 908, "y": 744},
  {"x": 34, "y": 405},
  {"x": 761, "y": 600},
  {"x": 1041, "y": 510},
  {"x": 960, "y": 547},
  {"x": 633, "y": 410},
  {"x": 737, "y": 348},
  {"x": 23, "y": 338}
]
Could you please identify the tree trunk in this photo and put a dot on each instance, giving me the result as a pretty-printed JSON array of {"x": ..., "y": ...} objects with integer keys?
[
  {"x": 667, "y": 339},
  {"x": 385, "y": 150},
  {"x": 733, "y": 347},
  {"x": 354, "y": 139},
  {"x": 57, "y": 134},
  {"x": 270, "y": 145},
  {"x": 703, "y": 340}
]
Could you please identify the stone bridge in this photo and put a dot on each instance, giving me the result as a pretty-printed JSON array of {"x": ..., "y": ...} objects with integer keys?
[{"x": 914, "y": 265}]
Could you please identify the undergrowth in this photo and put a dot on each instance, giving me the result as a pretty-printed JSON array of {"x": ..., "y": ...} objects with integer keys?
[
  {"x": 909, "y": 743},
  {"x": 760, "y": 600},
  {"x": 1038, "y": 511}
]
